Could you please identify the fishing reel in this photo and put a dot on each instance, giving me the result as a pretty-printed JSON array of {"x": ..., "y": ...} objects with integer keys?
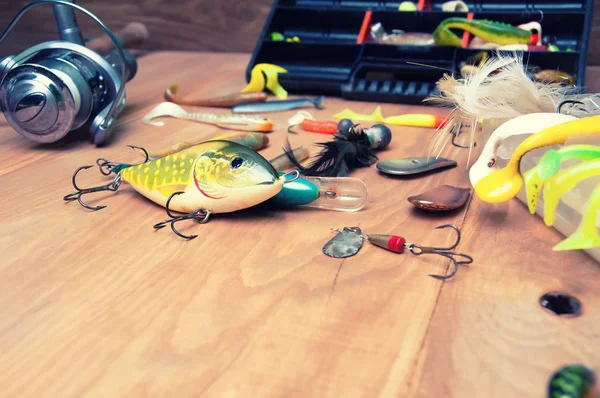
[{"x": 60, "y": 86}]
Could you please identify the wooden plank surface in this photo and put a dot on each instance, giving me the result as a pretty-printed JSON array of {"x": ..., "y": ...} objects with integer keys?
[{"x": 100, "y": 304}]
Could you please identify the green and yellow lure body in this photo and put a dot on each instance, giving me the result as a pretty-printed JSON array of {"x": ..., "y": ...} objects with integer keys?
[{"x": 217, "y": 176}]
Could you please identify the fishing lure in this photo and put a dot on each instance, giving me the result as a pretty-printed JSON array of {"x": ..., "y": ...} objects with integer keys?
[
  {"x": 400, "y": 37},
  {"x": 398, "y": 244},
  {"x": 346, "y": 243},
  {"x": 525, "y": 124},
  {"x": 490, "y": 31},
  {"x": 345, "y": 152},
  {"x": 233, "y": 122},
  {"x": 308, "y": 123},
  {"x": 266, "y": 76},
  {"x": 327, "y": 193},
  {"x": 573, "y": 381},
  {"x": 556, "y": 186},
  {"x": 412, "y": 120},
  {"x": 549, "y": 165},
  {"x": 504, "y": 184},
  {"x": 277, "y": 106},
  {"x": 225, "y": 101},
  {"x": 208, "y": 178},
  {"x": 256, "y": 141}
]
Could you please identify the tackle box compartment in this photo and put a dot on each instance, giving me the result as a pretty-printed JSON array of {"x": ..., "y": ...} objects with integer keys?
[{"x": 335, "y": 55}]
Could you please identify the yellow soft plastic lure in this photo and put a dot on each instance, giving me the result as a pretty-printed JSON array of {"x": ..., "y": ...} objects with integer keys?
[
  {"x": 412, "y": 120},
  {"x": 586, "y": 235},
  {"x": 270, "y": 72},
  {"x": 557, "y": 186},
  {"x": 549, "y": 165},
  {"x": 504, "y": 184},
  {"x": 211, "y": 177}
]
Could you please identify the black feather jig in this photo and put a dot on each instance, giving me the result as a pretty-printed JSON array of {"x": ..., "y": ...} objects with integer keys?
[{"x": 347, "y": 151}]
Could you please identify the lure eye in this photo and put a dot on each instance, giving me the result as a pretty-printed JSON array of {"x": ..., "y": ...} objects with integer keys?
[{"x": 236, "y": 163}]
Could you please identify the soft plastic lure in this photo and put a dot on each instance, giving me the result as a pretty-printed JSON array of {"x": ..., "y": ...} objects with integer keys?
[
  {"x": 277, "y": 106},
  {"x": 490, "y": 31},
  {"x": 256, "y": 141},
  {"x": 586, "y": 235},
  {"x": 413, "y": 120},
  {"x": 525, "y": 124},
  {"x": 208, "y": 178},
  {"x": 266, "y": 76},
  {"x": 504, "y": 184},
  {"x": 225, "y": 101},
  {"x": 555, "y": 187},
  {"x": 549, "y": 165},
  {"x": 233, "y": 122}
]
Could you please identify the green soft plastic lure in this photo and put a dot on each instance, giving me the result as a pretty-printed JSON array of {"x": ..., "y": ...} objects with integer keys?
[
  {"x": 549, "y": 165},
  {"x": 490, "y": 31},
  {"x": 586, "y": 236}
]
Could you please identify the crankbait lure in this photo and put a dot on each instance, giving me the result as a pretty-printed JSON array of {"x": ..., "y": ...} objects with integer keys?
[
  {"x": 504, "y": 184},
  {"x": 208, "y": 178},
  {"x": 233, "y": 122},
  {"x": 490, "y": 31},
  {"x": 256, "y": 141},
  {"x": 277, "y": 106},
  {"x": 265, "y": 76},
  {"x": 398, "y": 244},
  {"x": 412, "y": 120},
  {"x": 525, "y": 124},
  {"x": 573, "y": 381},
  {"x": 225, "y": 101},
  {"x": 549, "y": 165}
]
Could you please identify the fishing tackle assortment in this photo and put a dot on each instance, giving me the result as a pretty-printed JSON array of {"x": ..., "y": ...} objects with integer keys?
[
  {"x": 349, "y": 241},
  {"x": 232, "y": 122}
]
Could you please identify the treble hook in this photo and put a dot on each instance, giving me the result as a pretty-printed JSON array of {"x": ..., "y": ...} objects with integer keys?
[
  {"x": 113, "y": 186},
  {"x": 106, "y": 166},
  {"x": 200, "y": 215},
  {"x": 417, "y": 250},
  {"x": 574, "y": 102},
  {"x": 398, "y": 244}
]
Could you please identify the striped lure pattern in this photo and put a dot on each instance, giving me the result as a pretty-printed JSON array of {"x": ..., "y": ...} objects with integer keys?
[{"x": 573, "y": 381}]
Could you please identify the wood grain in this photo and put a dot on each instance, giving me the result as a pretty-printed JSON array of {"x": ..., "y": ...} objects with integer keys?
[{"x": 100, "y": 304}]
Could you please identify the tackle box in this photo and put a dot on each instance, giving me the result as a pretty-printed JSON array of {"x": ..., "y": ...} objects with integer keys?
[{"x": 335, "y": 54}]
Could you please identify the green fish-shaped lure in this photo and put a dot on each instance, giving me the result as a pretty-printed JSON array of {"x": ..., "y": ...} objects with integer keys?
[{"x": 211, "y": 177}]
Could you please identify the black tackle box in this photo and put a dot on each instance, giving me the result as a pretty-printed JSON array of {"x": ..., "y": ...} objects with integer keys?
[{"x": 335, "y": 55}]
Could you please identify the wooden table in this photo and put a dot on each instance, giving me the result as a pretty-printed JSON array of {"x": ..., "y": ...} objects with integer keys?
[{"x": 101, "y": 304}]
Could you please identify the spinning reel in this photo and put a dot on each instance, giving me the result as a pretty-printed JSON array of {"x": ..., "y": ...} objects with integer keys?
[{"x": 60, "y": 86}]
